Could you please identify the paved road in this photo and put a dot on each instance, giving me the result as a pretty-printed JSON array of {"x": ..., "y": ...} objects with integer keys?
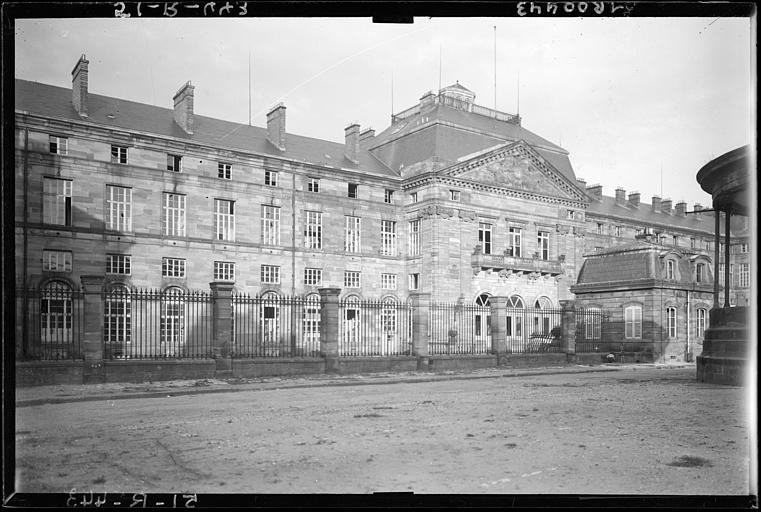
[{"x": 644, "y": 430}]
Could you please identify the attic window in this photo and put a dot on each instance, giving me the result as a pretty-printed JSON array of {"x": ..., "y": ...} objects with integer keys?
[
  {"x": 58, "y": 145},
  {"x": 454, "y": 195},
  {"x": 353, "y": 187},
  {"x": 173, "y": 163},
  {"x": 270, "y": 178}
]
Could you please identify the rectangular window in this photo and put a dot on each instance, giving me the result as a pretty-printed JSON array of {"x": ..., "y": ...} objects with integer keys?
[
  {"x": 313, "y": 185},
  {"x": 173, "y": 267},
  {"x": 224, "y": 219},
  {"x": 173, "y": 163},
  {"x": 118, "y": 208},
  {"x": 571, "y": 214},
  {"x": 700, "y": 272},
  {"x": 675, "y": 240},
  {"x": 514, "y": 241},
  {"x": 633, "y": 322},
  {"x": 224, "y": 271},
  {"x": 388, "y": 238},
  {"x": 600, "y": 228},
  {"x": 414, "y": 242},
  {"x": 413, "y": 197},
  {"x": 117, "y": 321},
  {"x": 351, "y": 279},
  {"x": 670, "y": 269},
  {"x": 174, "y": 214},
  {"x": 270, "y": 178},
  {"x": 619, "y": 231},
  {"x": 313, "y": 276},
  {"x": 414, "y": 281},
  {"x": 118, "y": 154},
  {"x": 692, "y": 243},
  {"x": 731, "y": 274},
  {"x": 313, "y": 230},
  {"x": 744, "y": 279},
  {"x": 388, "y": 281},
  {"x": 56, "y": 261},
  {"x": 743, "y": 248},
  {"x": 270, "y": 274},
  {"x": 707, "y": 245},
  {"x": 353, "y": 239},
  {"x": 702, "y": 315},
  {"x": 224, "y": 171},
  {"x": 353, "y": 190},
  {"x": 388, "y": 196},
  {"x": 118, "y": 264},
  {"x": 484, "y": 237},
  {"x": 592, "y": 324},
  {"x": 270, "y": 225},
  {"x": 56, "y": 205},
  {"x": 598, "y": 248},
  {"x": 59, "y": 145},
  {"x": 671, "y": 322},
  {"x": 543, "y": 243},
  {"x": 454, "y": 195}
]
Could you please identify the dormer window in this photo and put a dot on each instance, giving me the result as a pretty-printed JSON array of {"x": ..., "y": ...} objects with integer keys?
[
  {"x": 670, "y": 270},
  {"x": 700, "y": 273},
  {"x": 454, "y": 195}
]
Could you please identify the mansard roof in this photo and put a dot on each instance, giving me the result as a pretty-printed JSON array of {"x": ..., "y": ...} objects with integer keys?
[
  {"x": 48, "y": 100},
  {"x": 455, "y": 132}
]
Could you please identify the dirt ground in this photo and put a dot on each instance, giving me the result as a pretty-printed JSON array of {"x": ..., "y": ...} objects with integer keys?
[{"x": 640, "y": 430}]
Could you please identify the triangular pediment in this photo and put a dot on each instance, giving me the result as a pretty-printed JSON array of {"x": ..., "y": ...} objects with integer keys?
[{"x": 517, "y": 167}]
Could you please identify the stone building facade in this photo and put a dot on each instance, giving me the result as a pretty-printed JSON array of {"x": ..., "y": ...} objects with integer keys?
[
  {"x": 656, "y": 299},
  {"x": 452, "y": 199}
]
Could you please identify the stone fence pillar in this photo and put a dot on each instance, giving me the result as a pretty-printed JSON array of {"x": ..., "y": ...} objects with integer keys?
[
  {"x": 329, "y": 322},
  {"x": 421, "y": 310},
  {"x": 568, "y": 327},
  {"x": 92, "y": 329},
  {"x": 222, "y": 323},
  {"x": 498, "y": 324}
]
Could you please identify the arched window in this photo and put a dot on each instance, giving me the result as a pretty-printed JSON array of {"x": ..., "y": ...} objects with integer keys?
[
  {"x": 351, "y": 326},
  {"x": 514, "y": 328},
  {"x": 311, "y": 324},
  {"x": 671, "y": 322},
  {"x": 117, "y": 322},
  {"x": 172, "y": 321},
  {"x": 542, "y": 321},
  {"x": 482, "y": 316},
  {"x": 702, "y": 316},
  {"x": 55, "y": 318},
  {"x": 270, "y": 322}
]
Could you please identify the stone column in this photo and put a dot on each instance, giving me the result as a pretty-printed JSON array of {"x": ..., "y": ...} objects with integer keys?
[
  {"x": 222, "y": 323},
  {"x": 329, "y": 322},
  {"x": 568, "y": 327},
  {"x": 92, "y": 329},
  {"x": 421, "y": 309},
  {"x": 498, "y": 325}
]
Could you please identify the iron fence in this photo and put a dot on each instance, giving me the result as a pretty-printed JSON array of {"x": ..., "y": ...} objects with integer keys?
[
  {"x": 459, "y": 329},
  {"x": 275, "y": 326},
  {"x": 54, "y": 322},
  {"x": 150, "y": 324},
  {"x": 530, "y": 330},
  {"x": 374, "y": 328}
]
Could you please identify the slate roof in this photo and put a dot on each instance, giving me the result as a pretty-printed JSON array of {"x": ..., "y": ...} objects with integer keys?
[
  {"x": 625, "y": 263},
  {"x": 494, "y": 131},
  {"x": 645, "y": 215},
  {"x": 49, "y": 100}
]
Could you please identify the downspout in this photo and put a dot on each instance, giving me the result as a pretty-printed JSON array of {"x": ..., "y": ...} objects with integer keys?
[{"x": 25, "y": 291}]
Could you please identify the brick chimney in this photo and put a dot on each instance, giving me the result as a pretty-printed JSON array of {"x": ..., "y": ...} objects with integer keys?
[
  {"x": 656, "y": 204},
  {"x": 581, "y": 182},
  {"x": 698, "y": 207},
  {"x": 666, "y": 206},
  {"x": 352, "y": 142},
  {"x": 183, "y": 107},
  {"x": 620, "y": 196},
  {"x": 79, "y": 86},
  {"x": 276, "y": 126},
  {"x": 366, "y": 134},
  {"x": 681, "y": 209},
  {"x": 634, "y": 199},
  {"x": 595, "y": 191}
]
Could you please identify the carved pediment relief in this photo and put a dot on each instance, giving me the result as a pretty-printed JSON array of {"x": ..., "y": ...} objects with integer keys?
[{"x": 516, "y": 168}]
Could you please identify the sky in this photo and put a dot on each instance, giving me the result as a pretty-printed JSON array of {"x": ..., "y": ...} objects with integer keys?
[{"x": 639, "y": 103}]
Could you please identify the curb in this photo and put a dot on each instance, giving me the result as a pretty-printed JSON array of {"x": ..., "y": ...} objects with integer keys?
[{"x": 267, "y": 386}]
